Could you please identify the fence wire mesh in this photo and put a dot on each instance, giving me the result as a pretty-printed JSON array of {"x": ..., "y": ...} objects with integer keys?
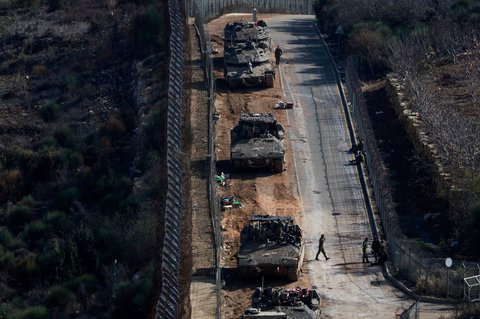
[
  {"x": 168, "y": 300},
  {"x": 214, "y": 8},
  {"x": 214, "y": 203},
  {"x": 426, "y": 271},
  {"x": 411, "y": 313}
]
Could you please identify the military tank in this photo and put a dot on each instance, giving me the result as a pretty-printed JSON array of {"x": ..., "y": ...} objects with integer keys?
[
  {"x": 271, "y": 246},
  {"x": 283, "y": 303},
  {"x": 247, "y": 56},
  {"x": 238, "y": 32},
  {"x": 256, "y": 141},
  {"x": 248, "y": 64}
]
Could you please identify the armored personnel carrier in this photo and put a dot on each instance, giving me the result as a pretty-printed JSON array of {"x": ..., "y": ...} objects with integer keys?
[
  {"x": 281, "y": 303},
  {"x": 271, "y": 245},
  {"x": 256, "y": 141}
]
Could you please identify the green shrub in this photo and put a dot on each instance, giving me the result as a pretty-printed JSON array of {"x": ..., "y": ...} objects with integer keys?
[
  {"x": 24, "y": 157},
  {"x": 59, "y": 298},
  {"x": 11, "y": 184},
  {"x": 65, "y": 137},
  {"x": 65, "y": 198},
  {"x": 86, "y": 283},
  {"x": 75, "y": 160},
  {"x": 17, "y": 217},
  {"x": 5, "y": 237},
  {"x": 50, "y": 111},
  {"x": 28, "y": 201},
  {"x": 7, "y": 258},
  {"x": 26, "y": 269},
  {"x": 48, "y": 161},
  {"x": 153, "y": 130},
  {"x": 140, "y": 237},
  {"x": 37, "y": 233},
  {"x": 116, "y": 194},
  {"x": 47, "y": 143},
  {"x": 146, "y": 28},
  {"x": 51, "y": 259},
  {"x": 87, "y": 249},
  {"x": 71, "y": 158},
  {"x": 54, "y": 5},
  {"x": 31, "y": 313},
  {"x": 114, "y": 127},
  {"x": 132, "y": 298},
  {"x": 58, "y": 221}
]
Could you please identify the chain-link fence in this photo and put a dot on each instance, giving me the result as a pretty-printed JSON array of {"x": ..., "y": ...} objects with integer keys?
[
  {"x": 427, "y": 271},
  {"x": 168, "y": 300},
  {"x": 411, "y": 313},
  {"x": 214, "y": 8},
  {"x": 214, "y": 202}
]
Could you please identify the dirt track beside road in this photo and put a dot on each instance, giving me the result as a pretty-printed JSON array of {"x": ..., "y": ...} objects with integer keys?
[{"x": 259, "y": 192}]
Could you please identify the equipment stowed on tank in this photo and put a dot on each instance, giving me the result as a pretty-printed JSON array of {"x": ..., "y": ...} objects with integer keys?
[
  {"x": 282, "y": 303},
  {"x": 271, "y": 245},
  {"x": 256, "y": 141}
]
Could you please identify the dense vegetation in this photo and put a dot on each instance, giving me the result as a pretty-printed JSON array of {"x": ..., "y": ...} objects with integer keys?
[
  {"x": 433, "y": 48},
  {"x": 80, "y": 172}
]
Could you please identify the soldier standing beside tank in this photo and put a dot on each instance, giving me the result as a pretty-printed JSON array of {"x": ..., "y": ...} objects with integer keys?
[
  {"x": 278, "y": 54},
  {"x": 279, "y": 230},
  {"x": 364, "y": 250},
  {"x": 321, "y": 249}
]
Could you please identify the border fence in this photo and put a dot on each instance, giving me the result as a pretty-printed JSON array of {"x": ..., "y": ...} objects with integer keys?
[
  {"x": 412, "y": 312},
  {"x": 428, "y": 272},
  {"x": 214, "y": 203},
  {"x": 168, "y": 300},
  {"x": 214, "y": 8}
]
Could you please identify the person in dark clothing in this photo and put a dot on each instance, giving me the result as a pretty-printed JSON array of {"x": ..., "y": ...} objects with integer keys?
[
  {"x": 358, "y": 158},
  {"x": 360, "y": 145},
  {"x": 382, "y": 254},
  {"x": 376, "y": 248},
  {"x": 364, "y": 251},
  {"x": 278, "y": 54},
  {"x": 321, "y": 249}
]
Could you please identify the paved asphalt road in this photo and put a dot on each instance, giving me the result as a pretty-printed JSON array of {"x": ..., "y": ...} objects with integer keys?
[{"x": 329, "y": 187}]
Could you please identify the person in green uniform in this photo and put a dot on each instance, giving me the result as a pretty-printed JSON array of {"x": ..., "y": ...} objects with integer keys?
[
  {"x": 321, "y": 241},
  {"x": 364, "y": 250}
]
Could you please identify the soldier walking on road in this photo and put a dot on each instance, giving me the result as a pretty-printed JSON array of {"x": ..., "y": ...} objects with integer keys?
[
  {"x": 321, "y": 249},
  {"x": 364, "y": 250},
  {"x": 278, "y": 54}
]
